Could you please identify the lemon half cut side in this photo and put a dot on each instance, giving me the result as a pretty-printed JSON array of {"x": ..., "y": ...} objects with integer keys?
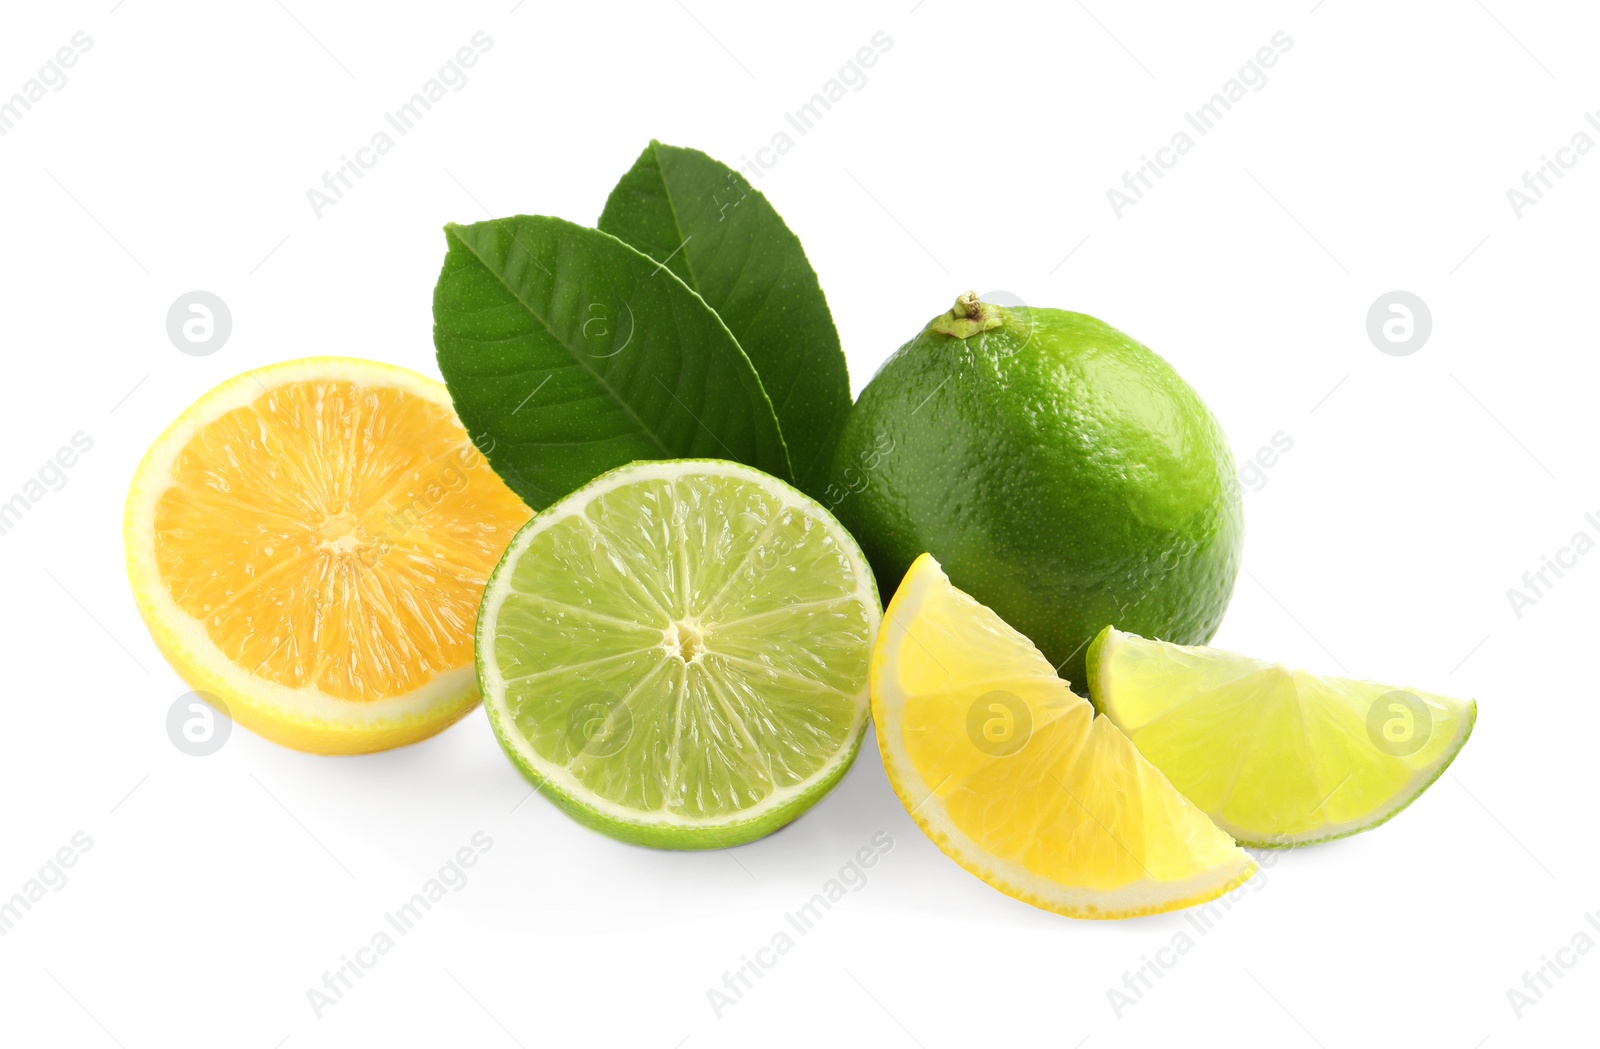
[{"x": 308, "y": 544}]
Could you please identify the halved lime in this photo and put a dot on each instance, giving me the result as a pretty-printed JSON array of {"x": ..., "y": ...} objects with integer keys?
[
  {"x": 1277, "y": 757},
  {"x": 677, "y": 654}
]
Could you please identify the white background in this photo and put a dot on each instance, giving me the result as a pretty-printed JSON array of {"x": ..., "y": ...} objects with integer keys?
[{"x": 1418, "y": 490}]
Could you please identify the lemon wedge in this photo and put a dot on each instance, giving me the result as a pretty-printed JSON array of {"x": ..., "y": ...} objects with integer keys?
[{"x": 1014, "y": 777}]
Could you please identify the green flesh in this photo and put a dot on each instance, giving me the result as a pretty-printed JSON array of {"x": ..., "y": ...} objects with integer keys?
[
  {"x": 682, "y": 659},
  {"x": 1277, "y": 757}
]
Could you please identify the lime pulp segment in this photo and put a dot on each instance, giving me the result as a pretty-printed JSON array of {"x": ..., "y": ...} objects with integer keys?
[
  {"x": 678, "y": 653},
  {"x": 1278, "y": 757}
]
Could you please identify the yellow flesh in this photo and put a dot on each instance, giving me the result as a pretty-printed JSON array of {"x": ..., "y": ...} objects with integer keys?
[
  {"x": 330, "y": 535},
  {"x": 1075, "y": 820}
]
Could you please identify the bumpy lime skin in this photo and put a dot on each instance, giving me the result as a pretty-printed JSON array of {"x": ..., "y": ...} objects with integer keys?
[{"x": 1061, "y": 472}]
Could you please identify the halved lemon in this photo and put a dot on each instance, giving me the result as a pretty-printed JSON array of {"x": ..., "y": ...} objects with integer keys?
[
  {"x": 1278, "y": 757},
  {"x": 1016, "y": 779},
  {"x": 308, "y": 544}
]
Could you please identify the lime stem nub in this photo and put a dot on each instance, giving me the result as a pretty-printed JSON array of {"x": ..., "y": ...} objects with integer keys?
[{"x": 968, "y": 317}]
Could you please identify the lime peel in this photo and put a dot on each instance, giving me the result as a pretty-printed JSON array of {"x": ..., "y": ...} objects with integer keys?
[
  {"x": 1278, "y": 757},
  {"x": 677, "y": 653}
]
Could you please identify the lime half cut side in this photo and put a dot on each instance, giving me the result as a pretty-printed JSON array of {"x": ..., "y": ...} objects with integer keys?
[
  {"x": 1277, "y": 757},
  {"x": 678, "y": 653}
]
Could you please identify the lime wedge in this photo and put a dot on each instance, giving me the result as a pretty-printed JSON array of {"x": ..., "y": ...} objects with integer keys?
[
  {"x": 678, "y": 653},
  {"x": 1277, "y": 757}
]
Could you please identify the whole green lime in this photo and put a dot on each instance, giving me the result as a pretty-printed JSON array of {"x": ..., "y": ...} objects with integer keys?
[{"x": 1061, "y": 473}]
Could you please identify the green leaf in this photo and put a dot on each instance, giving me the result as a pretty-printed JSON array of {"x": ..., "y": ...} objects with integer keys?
[
  {"x": 568, "y": 353},
  {"x": 726, "y": 242}
]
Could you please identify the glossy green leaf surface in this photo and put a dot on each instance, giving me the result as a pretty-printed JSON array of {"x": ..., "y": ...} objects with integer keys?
[
  {"x": 568, "y": 353},
  {"x": 724, "y": 240}
]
